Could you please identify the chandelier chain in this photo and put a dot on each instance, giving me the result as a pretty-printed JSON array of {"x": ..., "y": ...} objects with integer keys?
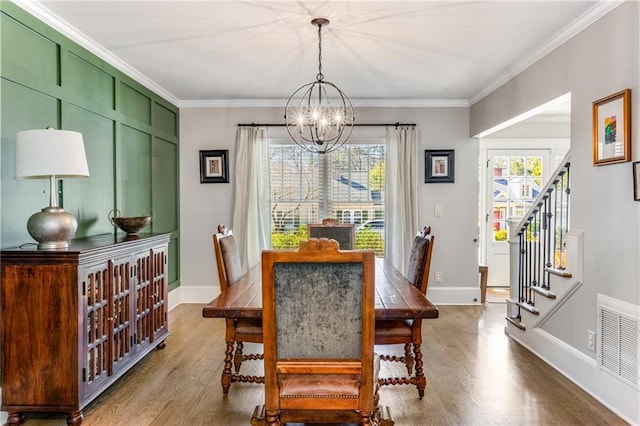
[{"x": 320, "y": 77}]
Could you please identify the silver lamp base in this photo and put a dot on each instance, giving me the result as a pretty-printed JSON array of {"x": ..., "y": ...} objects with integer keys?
[{"x": 52, "y": 228}]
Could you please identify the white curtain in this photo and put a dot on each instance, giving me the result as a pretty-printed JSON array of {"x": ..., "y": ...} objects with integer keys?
[
  {"x": 401, "y": 195},
  {"x": 251, "y": 217}
]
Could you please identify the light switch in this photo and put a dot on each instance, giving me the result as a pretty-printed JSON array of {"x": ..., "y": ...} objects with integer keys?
[{"x": 437, "y": 211}]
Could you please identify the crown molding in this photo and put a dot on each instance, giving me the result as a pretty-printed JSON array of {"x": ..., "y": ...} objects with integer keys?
[
  {"x": 374, "y": 103},
  {"x": 600, "y": 9},
  {"x": 45, "y": 15}
]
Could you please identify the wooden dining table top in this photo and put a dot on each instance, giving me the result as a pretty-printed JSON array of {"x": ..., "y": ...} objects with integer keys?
[{"x": 396, "y": 297}]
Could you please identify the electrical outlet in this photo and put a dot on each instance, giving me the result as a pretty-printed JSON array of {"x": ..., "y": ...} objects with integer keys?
[
  {"x": 591, "y": 340},
  {"x": 437, "y": 276}
]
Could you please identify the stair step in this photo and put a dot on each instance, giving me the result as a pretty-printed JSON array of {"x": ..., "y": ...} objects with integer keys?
[
  {"x": 544, "y": 292},
  {"x": 559, "y": 272},
  {"x": 529, "y": 308},
  {"x": 516, "y": 321}
]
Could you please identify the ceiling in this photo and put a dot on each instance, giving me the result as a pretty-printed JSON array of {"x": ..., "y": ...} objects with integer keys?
[{"x": 380, "y": 53}]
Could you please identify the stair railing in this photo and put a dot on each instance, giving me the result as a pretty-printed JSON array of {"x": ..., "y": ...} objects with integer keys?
[{"x": 540, "y": 239}]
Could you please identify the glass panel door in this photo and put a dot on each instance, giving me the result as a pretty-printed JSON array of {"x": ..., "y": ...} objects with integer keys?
[{"x": 515, "y": 179}]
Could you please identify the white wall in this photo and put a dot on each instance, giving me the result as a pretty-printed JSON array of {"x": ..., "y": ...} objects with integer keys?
[
  {"x": 204, "y": 206},
  {"x": 601, "y": 60}
]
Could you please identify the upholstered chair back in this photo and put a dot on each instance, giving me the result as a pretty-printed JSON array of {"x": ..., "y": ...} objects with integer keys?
[
  {"x": 227, "y": 257},
  {"x": 344, "y": 234},
  {"x": 318, "y": 319},
  {"x": 319, "y": 310},
  {"x": 420, "y": 259}
]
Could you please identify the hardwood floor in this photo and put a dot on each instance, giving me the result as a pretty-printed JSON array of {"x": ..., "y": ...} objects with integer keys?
[{"x": 476, "y": 375}]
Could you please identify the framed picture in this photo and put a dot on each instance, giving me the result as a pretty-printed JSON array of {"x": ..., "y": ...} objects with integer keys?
[
  {"x": 439, "y": 166},
  {"x": 612, "y": 129},
  {"x": 636, "y": 180},
  {"x": 214, "y": 166}
]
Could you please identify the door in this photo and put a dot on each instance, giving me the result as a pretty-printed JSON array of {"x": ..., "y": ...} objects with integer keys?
[
  {"x": 151, "y": 296},
  {"x": 107, "y": 301},
  {"x": 514, "y": 180}
]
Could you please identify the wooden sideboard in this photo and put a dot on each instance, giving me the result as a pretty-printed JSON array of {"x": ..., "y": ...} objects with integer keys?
[{"x": 74, "y": 320}]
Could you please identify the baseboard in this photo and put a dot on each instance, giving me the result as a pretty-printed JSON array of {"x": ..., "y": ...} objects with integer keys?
[
  {"x": 454, "y": 295},
  {"x": 583, "y": 371},
  {"x": 4, "y": 416},
  {"x": 437, "y": 295},
  {"x": 192, "y": 294}
]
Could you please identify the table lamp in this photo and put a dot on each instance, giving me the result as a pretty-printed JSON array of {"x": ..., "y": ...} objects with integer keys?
[{"x": 51, "y": 154}]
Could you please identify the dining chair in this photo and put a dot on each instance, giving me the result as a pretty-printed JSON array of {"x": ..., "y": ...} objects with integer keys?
[
  {"x": 344, "y": 234},
  {"x": 237, "y": 330},
  {"x": 318, "y": 316},
  {"x": 409, "y": 332},
  {"x": 330, "y": 221}
]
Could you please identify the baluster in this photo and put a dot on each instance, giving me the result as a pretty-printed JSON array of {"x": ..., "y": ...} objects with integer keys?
[
  {"x": 547, "y": 241},
  {"x": 521, "y": 264}
]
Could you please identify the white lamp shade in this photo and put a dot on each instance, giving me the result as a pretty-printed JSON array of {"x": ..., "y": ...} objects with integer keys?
[{"x": 49, "y": 152}]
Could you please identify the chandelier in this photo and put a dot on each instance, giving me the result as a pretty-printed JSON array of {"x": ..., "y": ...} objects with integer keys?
[{"x": 319, "y": 116}]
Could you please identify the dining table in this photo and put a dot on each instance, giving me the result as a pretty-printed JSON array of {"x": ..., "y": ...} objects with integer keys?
[{"x": 396, "y": 298}]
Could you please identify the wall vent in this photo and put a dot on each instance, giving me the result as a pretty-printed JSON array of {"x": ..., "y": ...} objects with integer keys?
[{"x": 618, "y": 338}]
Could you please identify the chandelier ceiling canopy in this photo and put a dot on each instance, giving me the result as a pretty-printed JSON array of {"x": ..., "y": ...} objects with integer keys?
[{"x": 319, "y": 116}]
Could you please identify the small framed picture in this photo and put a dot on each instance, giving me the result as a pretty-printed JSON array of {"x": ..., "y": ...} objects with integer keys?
[
  {"x": 214, "y": 166},
  {"x": 439, "y": 166},
  {"x": 636, "y": 180},
  {"x": 612, "y": 129}
]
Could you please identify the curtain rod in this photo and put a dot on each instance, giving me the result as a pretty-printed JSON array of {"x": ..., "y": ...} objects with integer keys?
[{"x": 354, "y": 124}]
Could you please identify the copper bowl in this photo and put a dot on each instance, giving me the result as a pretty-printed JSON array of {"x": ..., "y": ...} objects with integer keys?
[{"x": 132, "y": 224}]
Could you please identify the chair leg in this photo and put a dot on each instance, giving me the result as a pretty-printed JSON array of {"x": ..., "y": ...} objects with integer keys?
[
  {"x": 381, "y": 415},
  {"x": 365, "y": 419},
  {"x": 421, "y": 381},
  {"x": 226, "y": 371},
  {"x": 408, "y": 358},
  {"x": 238, "y": 357},
  {"x": 258, "y": 417},
  {"x": 272, "y": 417}
]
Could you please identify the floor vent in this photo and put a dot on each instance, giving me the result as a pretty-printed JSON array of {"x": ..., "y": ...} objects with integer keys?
[{"x": 619, "y": 336}]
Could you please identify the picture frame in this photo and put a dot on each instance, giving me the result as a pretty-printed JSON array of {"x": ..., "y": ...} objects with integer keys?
[
  {"x": 612, "y": 129},
  {"x": 636, "y": 180},
  {"x": 439, "y": 166},
  {"x": 214, "y": 166}
]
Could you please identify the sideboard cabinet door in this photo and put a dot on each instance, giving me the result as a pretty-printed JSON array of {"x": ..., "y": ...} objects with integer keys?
[
  {"x": 151, "y": 296},
  {"x": 107, "y": 297}
]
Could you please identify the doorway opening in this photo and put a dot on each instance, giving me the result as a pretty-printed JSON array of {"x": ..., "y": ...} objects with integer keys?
[{"x": 516, "y": 161}]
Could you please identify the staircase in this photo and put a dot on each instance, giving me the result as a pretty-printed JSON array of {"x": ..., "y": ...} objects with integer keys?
[
  {"x": 546, "y": 272},
  {"x": 544, "y": 255}
]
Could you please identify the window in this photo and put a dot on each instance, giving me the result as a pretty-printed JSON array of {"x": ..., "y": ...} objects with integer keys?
[
  {"x": 517, "y": 181},
  {"x": 347, "y": 184}
]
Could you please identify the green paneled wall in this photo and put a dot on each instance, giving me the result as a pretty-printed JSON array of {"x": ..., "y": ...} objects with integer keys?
[
  {"x": 130, "y": 134},
  {"x": 135, "y": 104},
  {"x": 90, "y": 82},
  {"x": 165, "y": 120},
  {"x": 35, "y": 54},
  {"x": 91, "y": 199},
  {"x": 134, "y": 181}
]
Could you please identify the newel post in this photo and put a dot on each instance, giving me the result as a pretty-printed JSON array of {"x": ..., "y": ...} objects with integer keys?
[{"x": 514, "y": 267}]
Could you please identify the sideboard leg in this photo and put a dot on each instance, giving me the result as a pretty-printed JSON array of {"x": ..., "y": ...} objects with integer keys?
[
  {"x": 15, "y": 418},
  {"x": 74, "y": 418},
  {"x": 162, "y": 345}
]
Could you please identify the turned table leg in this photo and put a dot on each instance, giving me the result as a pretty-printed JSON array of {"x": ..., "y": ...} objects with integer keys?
[
  {"x": 421, "y": 381},
  {"x": 226, "y": 371}
]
